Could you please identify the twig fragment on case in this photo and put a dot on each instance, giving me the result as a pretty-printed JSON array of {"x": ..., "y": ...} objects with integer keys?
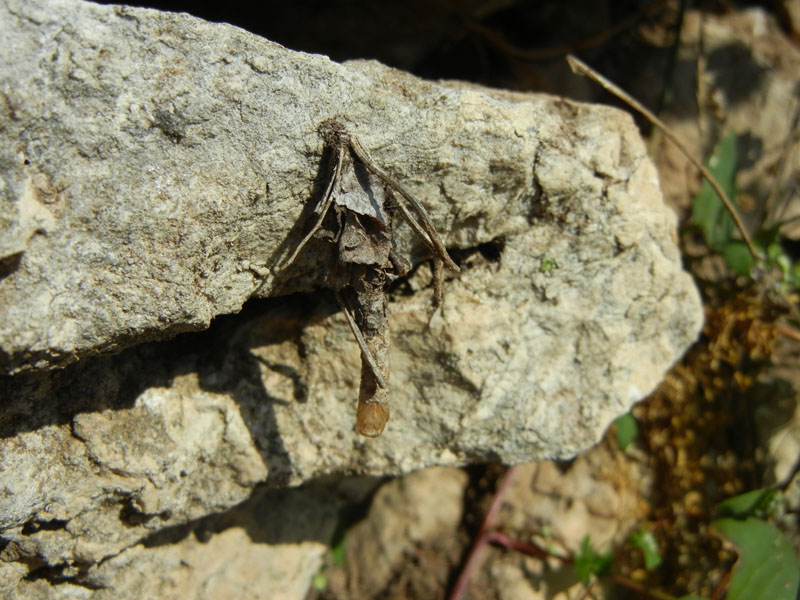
[{"x": 363, "y": 197}]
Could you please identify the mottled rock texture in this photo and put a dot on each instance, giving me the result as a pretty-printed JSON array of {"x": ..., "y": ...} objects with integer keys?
[{"x": 154, "y": 168}]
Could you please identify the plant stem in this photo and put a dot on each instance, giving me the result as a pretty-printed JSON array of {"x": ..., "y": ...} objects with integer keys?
[
  {"x": 581, "y": 68},
  {"x": 487, "y": 527}
]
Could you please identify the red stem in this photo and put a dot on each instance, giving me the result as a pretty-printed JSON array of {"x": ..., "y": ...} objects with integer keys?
[
  {"x": 488, "y": 535},
  {"x": 501, "y": 539},
  {"x": 487, "y": 527}
]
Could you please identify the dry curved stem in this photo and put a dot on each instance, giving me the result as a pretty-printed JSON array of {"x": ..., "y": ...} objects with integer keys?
[
  {"x": 361, "y": 341},
  {"x": 788, "y": 332},
  {"x": 327, "y": 201},
  {"x": 424, "y": 229},
  {"x": 580, "y": 68}
]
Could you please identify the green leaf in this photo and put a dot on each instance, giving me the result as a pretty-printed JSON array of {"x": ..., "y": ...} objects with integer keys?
[
  {"x": 708, "y": 211},
  {"x": 738, "y": 258},
  {"x": 589, "y": 562},
  {"x": 768, "y": 241},
  {"x": 647, "y": 543},
  {"x": 627, "y": 430},
  {"x": 691, "y": 598},
  {"x": 320, "y": 582},
  {"x": 774, "y": 251},
  {"x": 794, "y": 275},
  {"x": 767, "y": 568},
  {"x": 339, "y": 552},
  {"x": 755, "y": 502},
  {"x": 547, "y": 264},
  {"x": 767, "y": 237}
]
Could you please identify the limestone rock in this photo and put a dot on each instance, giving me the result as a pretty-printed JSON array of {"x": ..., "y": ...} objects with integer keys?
[
  {"x": 154, "y": 165},
  {"x": 153, "y": 170},
  {"x": 239, "y": 554}
]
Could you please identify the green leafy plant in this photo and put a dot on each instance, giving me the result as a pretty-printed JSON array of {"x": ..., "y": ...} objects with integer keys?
[
  {"x": 708, "y": 211},
  {"x": 339, "y": 552},
  {"x": 627, "y": 430},
  {"x": 319, "y": 581},
  {"x": 590, "y": 562},
  {"x": 646, "y": 542},
  {"x": 717, "y": 225},
  {"x": 759, "y": 503},
  {"x": 769, "y": 242},
  {"x": 547, "y": 264},
  {"x": 767, "y": 567}
]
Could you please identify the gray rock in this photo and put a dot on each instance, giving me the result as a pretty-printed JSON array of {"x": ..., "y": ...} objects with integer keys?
[
  {"x": 153, "y": 170},
  {"x": 238, "y": 554}
]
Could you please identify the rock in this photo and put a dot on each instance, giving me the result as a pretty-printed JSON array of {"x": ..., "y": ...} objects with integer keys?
[
  {"x": 412, "y": 539},
  {"x": 275, "y": 541},
  {"x": 155, "y": 168},
  {"x": 409, "y": 540}
]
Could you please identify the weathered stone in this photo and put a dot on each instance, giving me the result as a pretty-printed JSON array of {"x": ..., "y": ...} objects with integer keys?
[
  {"x": 269, "y": 546},
  {"x": 419, "y": 514},
  {"x": 153, "y": 165},
  {"x": 154, "y": 169}
]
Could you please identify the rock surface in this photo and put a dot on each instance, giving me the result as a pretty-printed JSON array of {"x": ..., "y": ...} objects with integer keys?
[
  {"x": 153, "y": 170},
  {"x": 410, "y": 537},
  {"x": 238, "y": 554}
]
